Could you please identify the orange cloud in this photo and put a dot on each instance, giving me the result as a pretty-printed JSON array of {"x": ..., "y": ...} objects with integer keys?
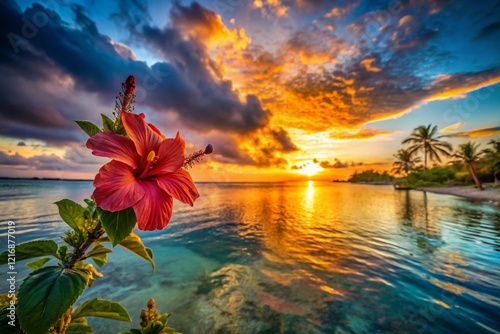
[
  {"x": 452, "y": 128},
  {"x": 356, "y": 134},
  {"x": 367, "y": 63},
  {"x": 405, "y": 20},
  {"x": 482, "y": 132},
  {"x": 271, "y": 6}
]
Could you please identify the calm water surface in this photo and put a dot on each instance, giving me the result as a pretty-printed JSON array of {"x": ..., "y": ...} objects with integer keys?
[{"x": 296, "y": 258}]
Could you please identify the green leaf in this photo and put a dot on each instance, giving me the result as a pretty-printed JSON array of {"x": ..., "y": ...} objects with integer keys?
[
  {"x": 117, "y": 225},
  {"x": 164, "y": 318},
  {"x": 134, "y": 244},
  {"x": 99, "y": 254},
  {"x": 38, "y": 263},
  {"x": 107, "y": 123},
  {"x": 101, "y": 260},
  {"x": 102, "y": 308},
  {"x": 46, "y": 294},
  {"x": 30, "y": 250},
  {"x": 62, "y": 252},
  {"x": 79, "y": 326},
  {"x": 153, "y": 328},
  {"x": 88, "y": 127},
  {"x": 6, "y": 322},
  {"x": 71, "y": 213}
]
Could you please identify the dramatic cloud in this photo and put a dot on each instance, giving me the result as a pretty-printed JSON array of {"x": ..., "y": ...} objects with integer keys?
[
  {"x": 50, "y": 61},
  {"x": 283, "y": 82},
  {"x": 330, "y": 75}
]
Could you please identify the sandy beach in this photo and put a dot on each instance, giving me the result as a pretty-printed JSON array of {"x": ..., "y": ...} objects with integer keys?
[{"x": 488, "y": 194}]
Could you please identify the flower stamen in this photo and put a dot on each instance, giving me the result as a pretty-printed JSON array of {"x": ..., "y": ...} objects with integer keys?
[
  {"x": 151, "y": 158},
  {"x": 197, "y": 156}
]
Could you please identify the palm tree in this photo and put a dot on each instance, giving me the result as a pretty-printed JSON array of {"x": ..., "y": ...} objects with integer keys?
[
  {"x": 405, "y": 163},
  {"x": 468, "y": 154},
  {"x": 424, "y": 139},
  {"x": 493, "y": 156}
]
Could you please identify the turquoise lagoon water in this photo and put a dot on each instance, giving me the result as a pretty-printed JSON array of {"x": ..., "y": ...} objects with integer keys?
[{"x": 295, "y": 258}]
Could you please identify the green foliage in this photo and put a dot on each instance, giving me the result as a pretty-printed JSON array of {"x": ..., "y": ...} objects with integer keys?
[
  {"x": 5, "y": 327},
  {"x": 99, "y": 254},
  {"x": 102, "y": 308},
  {"x": 46, "y": 294},
  {"x": 152, "y": 322},
  {"x": 107, "y": 123},
  {"x": 45, "y": 298},
  {"x": 424, "y": 139},
  {"x": 463, "y": 177},
  {"x": 435, "y": 176},
  {"x": 117, "y": 225},
  {"x": 371, "y": 176},
  {"x": 30, "y": 250},
  {"x": 37, "y": 264},
  {"x": 485, "y": 164},
  {"x": 79, "y": 326},
  {"x": 72, "y": 213},
  {"x": 134, "y": 244},
  {"x": 88, "y": 127}
]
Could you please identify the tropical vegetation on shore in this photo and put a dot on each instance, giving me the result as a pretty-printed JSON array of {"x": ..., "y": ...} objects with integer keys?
[
  {"x": 493, "y": 156},
  {"x": 423, "y": 138},
  {"x": 405, "y": 162},
  {"x": 468, "y": 154},
  {"x": 468, "y": 164}
]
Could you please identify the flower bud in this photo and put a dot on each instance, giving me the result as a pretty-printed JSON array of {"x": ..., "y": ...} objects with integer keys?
[
  {"x": 209, "y": 149},
  {"x": 130, "y": 85},
  {"x": 151, "y": 303}
]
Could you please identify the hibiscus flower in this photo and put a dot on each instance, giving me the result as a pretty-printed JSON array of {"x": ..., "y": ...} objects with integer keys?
[{"x": 145, "y": 172}]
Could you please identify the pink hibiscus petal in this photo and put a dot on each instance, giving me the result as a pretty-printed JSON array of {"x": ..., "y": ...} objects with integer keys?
[
  {"x": 116, "y": 187},
  {"x": 154, "y": 210},
  {"x": 144, "y": 138},
  {"x": 180, "y": 186},
  {"x": 110, "y": 145},
  {"x": 171, "y": 155}
]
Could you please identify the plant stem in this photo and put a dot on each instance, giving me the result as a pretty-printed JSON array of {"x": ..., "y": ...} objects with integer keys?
[{"x": 79, "y": 252}]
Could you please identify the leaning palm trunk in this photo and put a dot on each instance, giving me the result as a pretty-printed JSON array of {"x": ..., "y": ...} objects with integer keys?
[
  {"x": 472, "y": 172},
  {"x": 425, "y": 159}
]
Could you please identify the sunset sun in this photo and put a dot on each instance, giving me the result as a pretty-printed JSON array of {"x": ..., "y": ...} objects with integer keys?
[{"x": 310, "y": 169}]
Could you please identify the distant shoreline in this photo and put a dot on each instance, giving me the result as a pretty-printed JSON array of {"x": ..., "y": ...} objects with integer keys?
[{"x": 470, "y": 192}]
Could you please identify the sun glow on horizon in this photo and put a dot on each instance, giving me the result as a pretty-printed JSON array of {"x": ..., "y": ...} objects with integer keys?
[{"x": 310, "y": 169}]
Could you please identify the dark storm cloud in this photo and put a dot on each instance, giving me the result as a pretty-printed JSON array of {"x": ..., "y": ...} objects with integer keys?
[
  {"x": 130, "y": 14},
  {"x": 202, "y": 101},
  {"x": 42, "y": 51},
  {"x": 283, "y": 138},
  {"x": 227, "y": 151}
]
